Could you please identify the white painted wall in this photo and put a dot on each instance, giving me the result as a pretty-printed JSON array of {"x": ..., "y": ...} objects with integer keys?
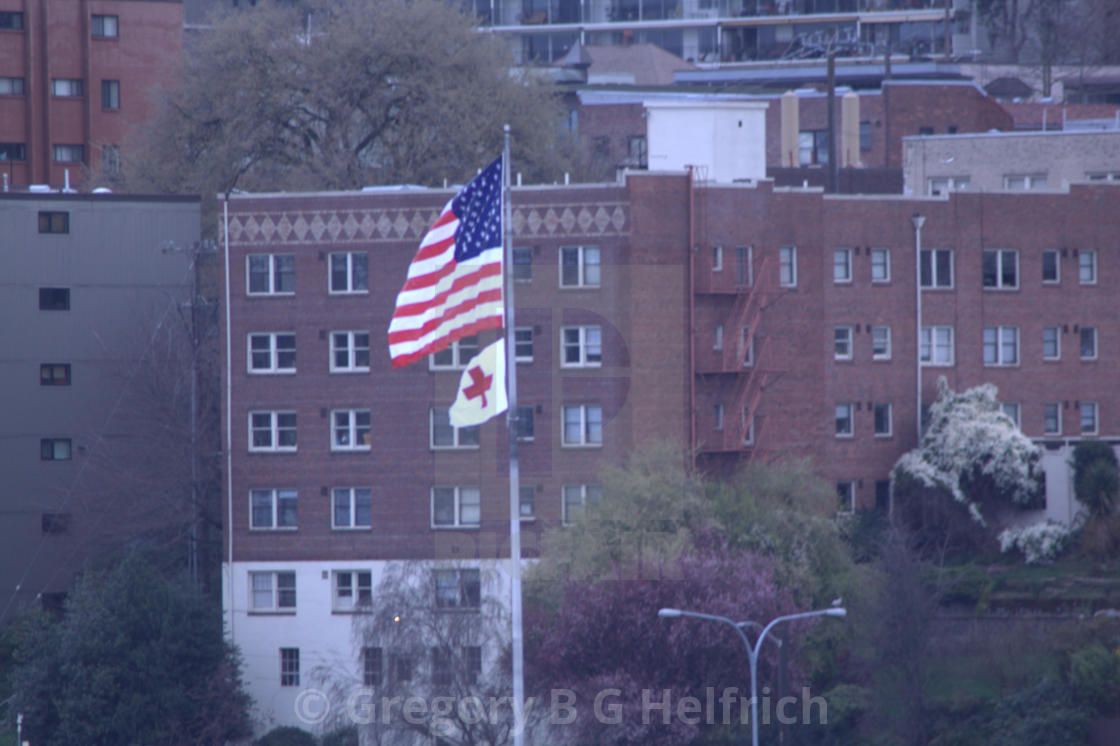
[{"x": 726, "y": 139}]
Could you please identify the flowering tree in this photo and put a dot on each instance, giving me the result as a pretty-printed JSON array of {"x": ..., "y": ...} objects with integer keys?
[{"x": 973, "y": 452}]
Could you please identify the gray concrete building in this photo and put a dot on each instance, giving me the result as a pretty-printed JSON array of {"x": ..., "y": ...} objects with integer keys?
[{"x": 95, "y": 294}]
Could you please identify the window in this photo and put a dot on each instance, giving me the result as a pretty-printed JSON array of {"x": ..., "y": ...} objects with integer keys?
[
  {"x": 1087, "y": 268},
  {"x": 581, "y": 347},
  {"x": 746, "y": 342},
  {"x": 11, "y": 86},
  {"x": 936, "y": 268},
  {"x": 442, "y": 664},
  {"x": 845, "y": 497},
  {"x": 1001, "y": 345},
  {"x": 925, "y": 131},
  {"x": 1001, "y": 269},
  {"x": 526, "y": 498},
  {"x": 472, "y": 663},
  {"x": 13, "y": 151},
  {"x": 579, "y": 267},
  {"x": 272, "y": 431},
  {"x": 66, "y": 87},
  {"x": 1052, "y": 418},
  {"x": 787, "y": 266},
  {"x": 524, "y": 423},
  {"x": 110, "y": 94},
  {"x": 456, "y": 507},
  {"x": 350, "y": 507},
  {"x": 54, "y": 374},
  {"x": 946, "y": 184},
  {"x": 880, "y": 265},
  {"x": 865, "y": 135},
  {"x": 353, "y": 589},
  {"x": 582, "y": 425},
  {"x": 69, "y": 153},
  {"x": 748, "y": 427},
  {"x": 1024, "y": 182},
  {"x": 717, "y": 258},
  {"x": 812, "y": 147},
  {"x": 1088, "y": 343},
  {"x": 273, "y": 509},
  {"x": 455, "y": 356},
  {"x": 271, "y": 274},
  {"x": 54, "y": 222},
  {"x": 1051, "y": 343},
  {"x": 576, "y": 497},
  {"x": 880, "y": 343},
  {"x": 11, "y": 21},
  {"x": 1088, "y": 418},
  {"x": 523, "y": 344},
  {"x": 883, "y": 425},
  {"x": 289, "y": 666},
  {"x": 458, "y": 588},
  {"x": 444, "y": 435},
  {"x": 272, "y": 352},
  {"x": 717, "y": 337},
  {"x": 1011, "y": 409},
  {"x": 349, "y": 352},
  {"x": 841, "y": 265},
  {"x": 54, "y": 449},
  {"x": 54, "y": 523},
  {"x": 349, "y": 272},
  {"x": 272, "y": 591},
  {"x": 937, "y": 345},
  {"x": 717, "y": 417},
  {"x": 744, "y": 266},
  {"x": 350, "y": 430},
  {"x": 844, "y": 425},
  {"x": 372, "y": 661},
  {"x": 636, "y": 151},
  {"x": 111, "y": 160},
  {"x": 54, "y": 299},
  {"x": 401, "y": 668},
  {"x": 523, "y": 265},
  {"x": 103, "y": 26},
  {"x": 1051, "y": 267},
  {"x": 842, "y": 343}
]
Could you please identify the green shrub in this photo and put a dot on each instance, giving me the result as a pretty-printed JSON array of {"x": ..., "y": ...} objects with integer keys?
[
  {"x": 1094, "y": 673},
  {"x": 1096, "y": 476},
  {"x": 286, "y": 735}
]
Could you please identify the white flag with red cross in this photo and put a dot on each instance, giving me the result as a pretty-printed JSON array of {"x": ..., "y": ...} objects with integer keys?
[{"x": 482, "y": 388}]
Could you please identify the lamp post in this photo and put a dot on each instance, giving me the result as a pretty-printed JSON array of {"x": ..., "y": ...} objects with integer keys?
[
  {"x": 752, "y": 652},
  {"x": 917, "y": 220}
]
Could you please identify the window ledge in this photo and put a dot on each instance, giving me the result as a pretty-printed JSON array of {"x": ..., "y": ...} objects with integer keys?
[
  {"x": 474, "y": 527},
  {"x": 272, "y": 612}
]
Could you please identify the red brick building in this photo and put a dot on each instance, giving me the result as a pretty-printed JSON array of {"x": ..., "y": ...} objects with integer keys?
[
  {"x": 746, "y": 321},
  {"x": 75, "y": 77}
]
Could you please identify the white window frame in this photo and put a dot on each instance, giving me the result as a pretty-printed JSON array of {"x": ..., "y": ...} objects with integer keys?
[
  {"x": 274, "y": 352},
  {"x": 274, "y": 274},
  {"x": 1013, "y": 411},
  {"x": 68, "y": 153},
  {"x": 748, "y": 427},
  {"x": 875, "y": 332},
  {"x": 850, "y": 409},
  {"x": 843, "y": 340},
  {"x": 525, "y": 414},
  {"x": 935, "y": 279},
  {"x": 717, "y": 337},
  {"x": 1031, "y": 182},
  {"x": 1057, "y": 267},
  {"x": 875, "y": 420},
  {"x": 103, "y": 26},
  {"x": 787, "y": 266},
  {"x": 275, "y": 498},
  {"x": 842, "y": 266},
  {"x": 519, "y": 338},
  {"x": 717, "y": 258},
  {"x": 1058, "y": 418},
  {"x": 471, "y": 508},
  {"x": 1092, "y": 408},
  {"x": 519, "y": 253},
  {"x": 351, "y": 495},
  {"x": 849, "y": 499},
  {"x": 746, "y": 344},
  {"x": 744, "y": 266},
  {"x": 1001, "y": 256},
  {"x": 587, "y": 425},
  {"x": 462, "y": 351},
  {"x": 347, "y": 435},
  {"x": 289, "y": 667},
  {"x": 1081, "y": 342},
  {"x": 277, "y": 602},
  {"x": 465, "y": 577},
  {"x": 461, "y": 437},
  {"x": 885, "y": 256},
  {"x": 526, "y": 502},
  {"x": 932, "y": 332},
  {"x": 1057, "y": 330},
  {"x": 1003, "y": 336},
  {"x": 582, "y": 345},
  {"x": 951, "y": 184},
  {"x": 68, "y": 87},
  {"x": 351, "y": 591},
  {"x": 275, "y": 429},
  {"x": 585, "y": 492},
  {"x": 717, "y": 416},
  {"x": 1092, "y": 267},
  {"x": 589, "y": 273},
  {"x": 350, "y": 288},
  {"x": 351, "y": 347}
]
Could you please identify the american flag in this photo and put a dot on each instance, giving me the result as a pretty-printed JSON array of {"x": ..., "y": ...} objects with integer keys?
[{"x": 454, "y": 284}]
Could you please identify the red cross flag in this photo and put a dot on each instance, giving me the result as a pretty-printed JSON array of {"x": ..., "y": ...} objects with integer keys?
[{"x": 482, "y": 387}]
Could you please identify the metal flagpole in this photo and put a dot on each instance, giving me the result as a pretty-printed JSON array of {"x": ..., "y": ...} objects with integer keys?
[{"x": 514, "y": 476}]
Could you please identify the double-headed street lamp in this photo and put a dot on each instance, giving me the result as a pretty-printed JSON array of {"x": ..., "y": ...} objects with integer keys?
[{"x": 752, "y": 652}]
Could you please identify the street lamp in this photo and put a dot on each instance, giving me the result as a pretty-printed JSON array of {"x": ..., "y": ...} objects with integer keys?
[{"x": 752, "y": 652}]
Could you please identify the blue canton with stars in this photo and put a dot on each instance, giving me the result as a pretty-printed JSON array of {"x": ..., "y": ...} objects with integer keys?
[{"x": 479, "y": 209}]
